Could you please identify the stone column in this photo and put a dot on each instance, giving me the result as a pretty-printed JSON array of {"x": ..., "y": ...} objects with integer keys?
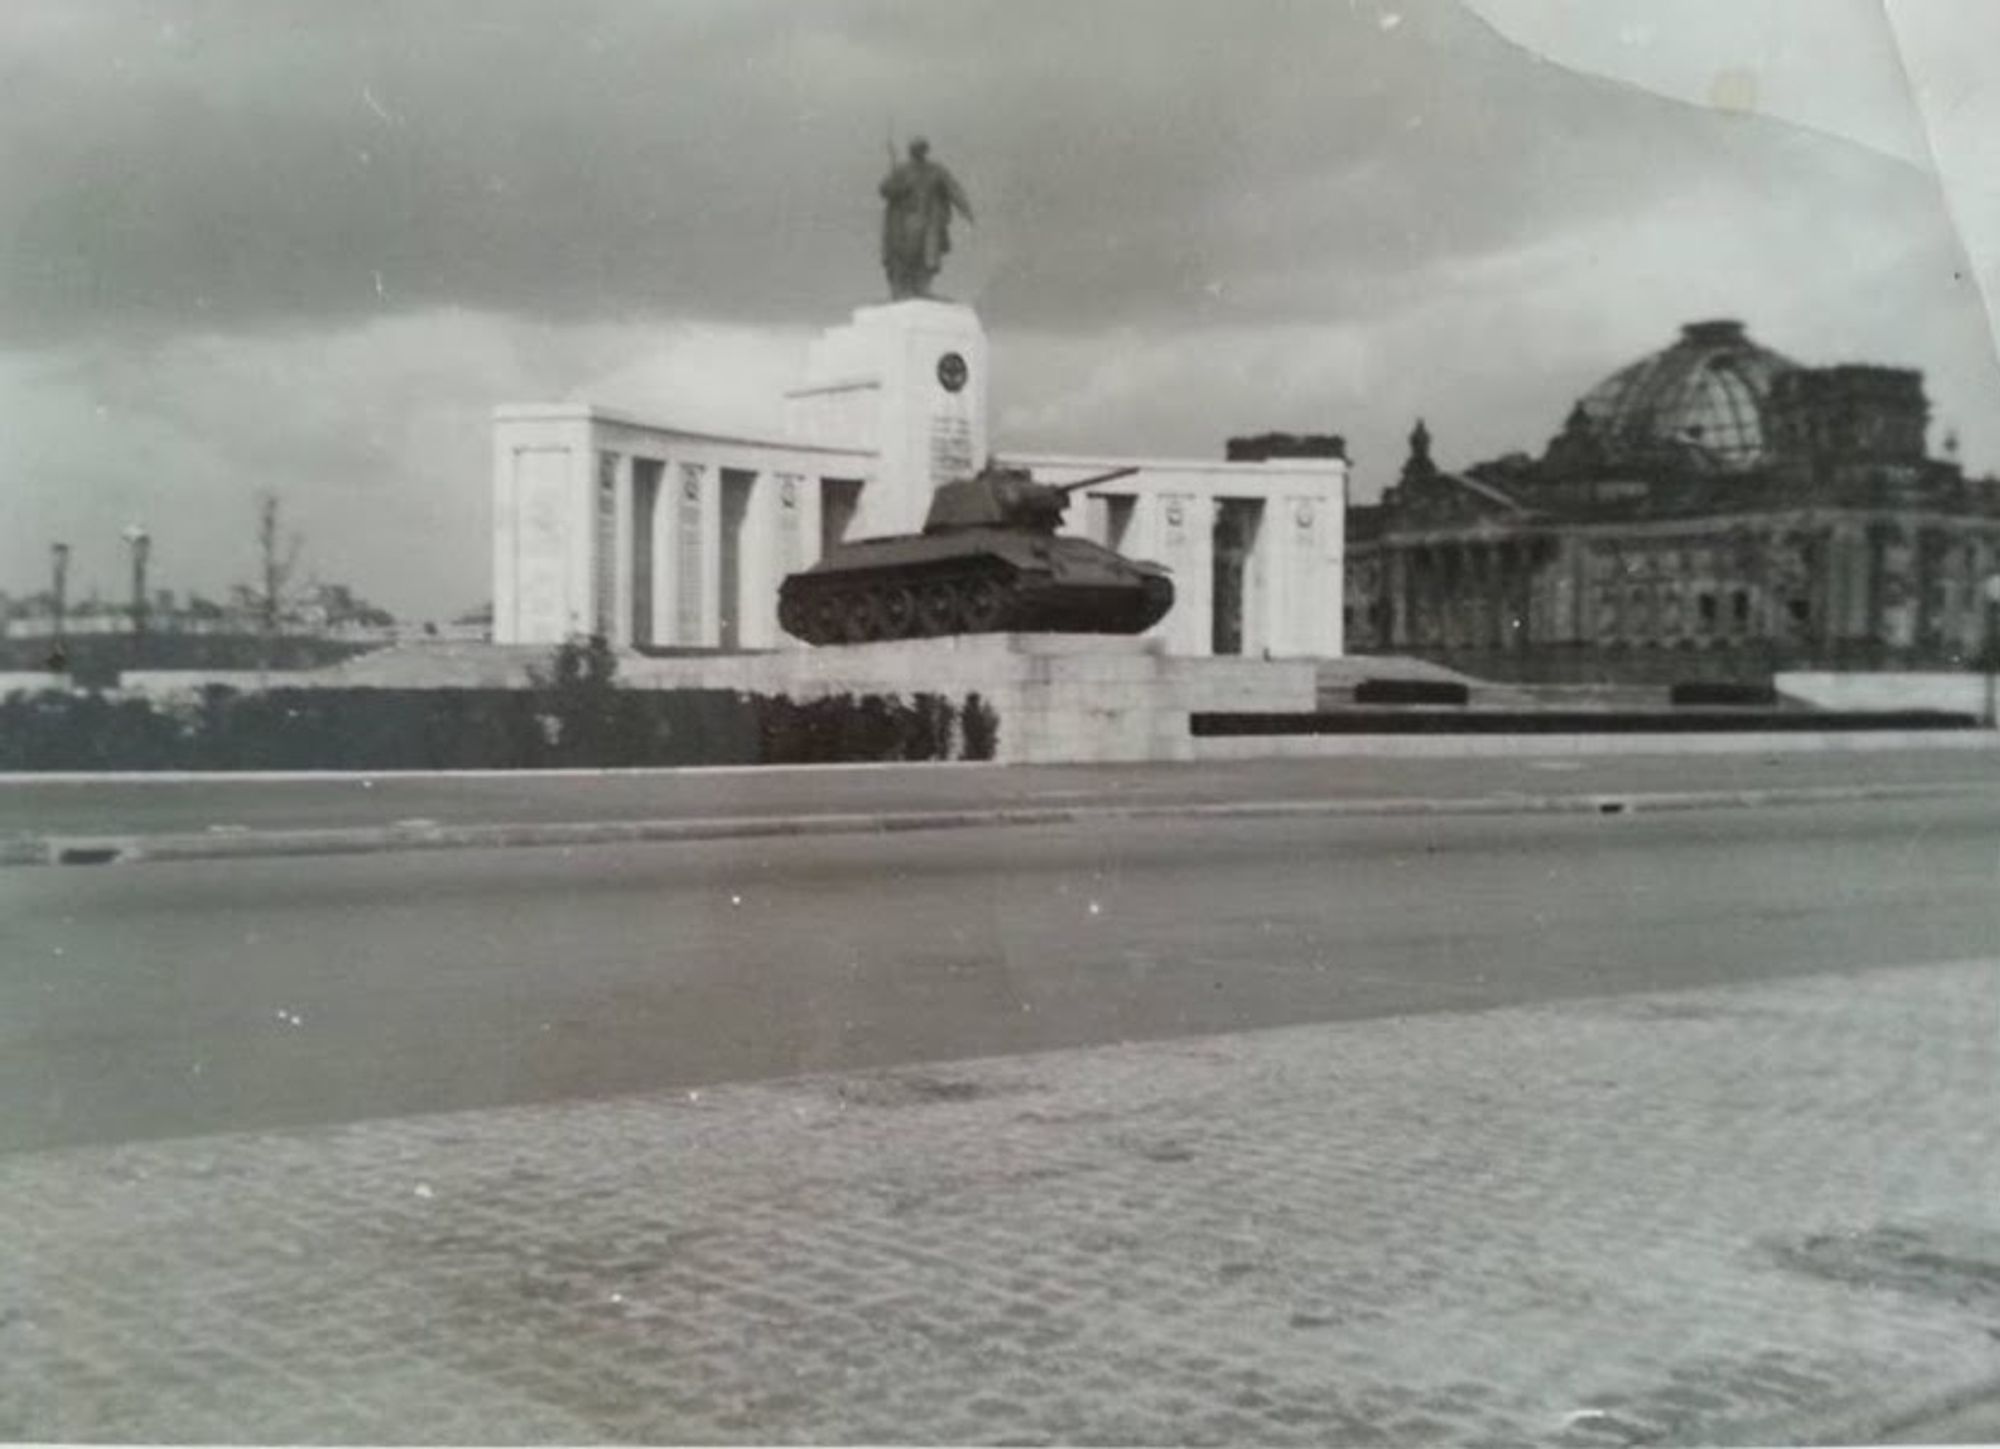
[
  {"x": 1425, "y": 627},
  {"x": 1394, "y": 629},
  {"x": 688, "y": 485},
  {"x": 619, "y": 635}
]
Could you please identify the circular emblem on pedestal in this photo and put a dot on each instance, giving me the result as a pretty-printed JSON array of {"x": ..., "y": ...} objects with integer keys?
[
  {"x": 788, "y": 493},
  {"x": 1174, "y": 514},
  {"x": 951, "y": 371},
  {"x": 1304, "y": 515}
]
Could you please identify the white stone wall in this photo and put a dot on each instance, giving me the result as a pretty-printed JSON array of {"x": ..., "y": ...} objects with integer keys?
[
  {"x": 552, "y": 570},
  {"x": 30, "y": 681},
  {"x": 1962, "y": 692},
  {"x": 541, "y": 535},
  {"x": 1058, "y": 697}
]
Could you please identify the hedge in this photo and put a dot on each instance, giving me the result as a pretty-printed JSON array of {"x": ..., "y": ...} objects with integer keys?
[{"x": 579, "y": 725}]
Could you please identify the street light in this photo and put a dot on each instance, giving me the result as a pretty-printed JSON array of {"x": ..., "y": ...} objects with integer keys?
[
  {"x": 59, "y": 651},
  {"x": 141, "y": 543},
  {"x": 1991, "y": 644}
]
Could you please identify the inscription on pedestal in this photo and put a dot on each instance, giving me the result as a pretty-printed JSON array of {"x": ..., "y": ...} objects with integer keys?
[{"x": 951, "y": 448}]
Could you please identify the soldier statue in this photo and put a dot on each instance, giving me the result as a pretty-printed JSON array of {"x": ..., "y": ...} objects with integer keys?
[{"x": 919, "y": 197}]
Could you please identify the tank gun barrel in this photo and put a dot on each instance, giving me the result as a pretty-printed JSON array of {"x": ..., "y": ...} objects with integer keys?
[
  {"x": 1065, "y": 489},
  {"x": 1068, "y": 488}
]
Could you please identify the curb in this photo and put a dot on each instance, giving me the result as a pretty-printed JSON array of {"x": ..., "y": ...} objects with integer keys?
[
  {"x": 566, "y": 772},
  {"x": 129, "y": 849}
]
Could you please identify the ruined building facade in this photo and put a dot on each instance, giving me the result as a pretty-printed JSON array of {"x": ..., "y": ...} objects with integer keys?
[{"x": 1713, "y": 510}]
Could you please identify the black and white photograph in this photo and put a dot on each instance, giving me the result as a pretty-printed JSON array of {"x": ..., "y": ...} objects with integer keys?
[{"x": 1101, "y": 722}]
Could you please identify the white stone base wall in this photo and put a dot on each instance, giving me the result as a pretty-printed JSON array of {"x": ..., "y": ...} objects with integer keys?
[
  {"x": 1058, "y": 697},
  {"x": 1963, "y": 691},
  {"x": 30, "y": 681}
]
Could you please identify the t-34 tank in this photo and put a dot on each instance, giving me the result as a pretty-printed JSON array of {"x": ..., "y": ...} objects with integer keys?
[{"x": 988, "y": 561}]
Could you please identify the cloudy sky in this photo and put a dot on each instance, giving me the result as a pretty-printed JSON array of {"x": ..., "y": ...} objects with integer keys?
[{"x": 307, "y": 245}]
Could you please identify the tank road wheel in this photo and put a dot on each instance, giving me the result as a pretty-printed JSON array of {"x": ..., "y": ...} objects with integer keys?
[
  {"x": 895, "y": 611},
  {"x": 983, "y": 605},
  {"x": 793, "y": 617},
  {"x": 860, "y": 617},
  {"x": 824, "y": 616},
  {"x": 937, "y": 608}
]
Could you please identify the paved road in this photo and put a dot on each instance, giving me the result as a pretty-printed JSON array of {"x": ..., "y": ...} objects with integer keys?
[
  {"x": 1755, "y": 1214},
  {"x": 175, "y": 999},
  {"x": 141, "y": 805}
]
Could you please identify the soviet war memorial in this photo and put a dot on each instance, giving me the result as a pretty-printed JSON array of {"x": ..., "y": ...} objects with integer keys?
[
  {"x": 882, "y": 517},
  {"x": 1135, "y": 723},
  {"x": 888, "y": 436}
]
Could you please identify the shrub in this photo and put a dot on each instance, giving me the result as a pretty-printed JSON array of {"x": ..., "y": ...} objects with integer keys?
[
  {"x": 980, "y": 728},
  {"x": 573, "y": 717}
]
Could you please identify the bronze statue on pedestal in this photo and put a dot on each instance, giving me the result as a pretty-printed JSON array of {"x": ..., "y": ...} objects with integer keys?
[{"x": 919, "y": 196}]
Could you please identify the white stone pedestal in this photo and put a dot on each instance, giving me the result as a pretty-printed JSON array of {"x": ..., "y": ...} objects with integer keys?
[
  {"x": 906, "y": 380},
  {"x": 1059, "y": 698}
]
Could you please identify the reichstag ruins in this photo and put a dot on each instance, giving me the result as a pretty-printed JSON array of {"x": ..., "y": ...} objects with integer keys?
[{"x": 1715, "y": 509}]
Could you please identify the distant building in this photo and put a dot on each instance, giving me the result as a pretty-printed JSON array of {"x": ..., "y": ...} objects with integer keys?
[
  {"x": 98, "y": 638},
  {"x": 1713, "y": 510}
]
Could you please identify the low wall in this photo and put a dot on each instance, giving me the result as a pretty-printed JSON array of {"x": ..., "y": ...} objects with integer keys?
[
  {"x": 1683, "y": 721},
  {"x": 1956, "y": 690},
  {"x": 30, "y": 681},
  {"x": 184, "y": 683},
  {"x": 1771, "y": 742}
]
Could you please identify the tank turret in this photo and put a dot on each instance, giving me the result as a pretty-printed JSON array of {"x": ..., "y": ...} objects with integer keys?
[
  {"x": 989, "y": 560},
  {"x": 1002, "y": 497}
]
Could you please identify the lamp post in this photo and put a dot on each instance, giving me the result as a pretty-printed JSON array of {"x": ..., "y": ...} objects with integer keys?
[
  {"x": 1990, "y": 645},
  {"x": 59, "y": 651},
  {"x": 141, "y": 544}
]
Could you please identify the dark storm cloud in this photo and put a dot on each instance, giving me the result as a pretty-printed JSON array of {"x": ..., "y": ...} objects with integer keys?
[
  {"x": 244, "y": 162},
  {"x": 307, "y": 244}
]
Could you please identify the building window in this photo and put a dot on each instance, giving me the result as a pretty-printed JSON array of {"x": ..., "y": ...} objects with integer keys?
[
  {"x": 1706, "y": 604},
  {"x": 1739, "y": 607}
]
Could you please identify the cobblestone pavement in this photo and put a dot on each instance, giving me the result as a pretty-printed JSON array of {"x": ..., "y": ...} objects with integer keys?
[{"x": 1672, "y": 1218}]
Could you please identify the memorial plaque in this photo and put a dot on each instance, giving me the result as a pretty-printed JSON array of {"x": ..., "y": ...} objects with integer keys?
[{"x": 951, "y": 449}]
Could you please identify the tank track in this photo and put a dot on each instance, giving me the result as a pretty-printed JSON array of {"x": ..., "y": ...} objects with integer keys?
[{"x": 867, "y": 606}]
